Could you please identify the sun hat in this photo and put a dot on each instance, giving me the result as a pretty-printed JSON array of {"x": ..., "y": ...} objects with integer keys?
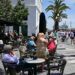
[{"x": 8, "y": 47}]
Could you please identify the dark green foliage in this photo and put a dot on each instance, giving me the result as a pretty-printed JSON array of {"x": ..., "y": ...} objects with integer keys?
[
  {"x": 14, "y": 14},
  {"x": 19, "y": 12},
  {"x": 42, "y": 23},
  {"x": 5, "y": 10}
]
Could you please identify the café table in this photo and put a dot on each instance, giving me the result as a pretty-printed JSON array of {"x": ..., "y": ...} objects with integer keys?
[{"x": 35, "y": 62}]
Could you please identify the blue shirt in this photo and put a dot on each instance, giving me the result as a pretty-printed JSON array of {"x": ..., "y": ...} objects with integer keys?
[
  {"x": 31, "y": 44},
  {"x": 10, "y": 58}
]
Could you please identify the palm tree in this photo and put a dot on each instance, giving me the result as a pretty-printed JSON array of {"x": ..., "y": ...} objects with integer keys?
[{"x": 57, "y": 7}]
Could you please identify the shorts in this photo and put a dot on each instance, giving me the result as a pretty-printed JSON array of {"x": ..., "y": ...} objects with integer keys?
[{"x": 72, "y": 37}]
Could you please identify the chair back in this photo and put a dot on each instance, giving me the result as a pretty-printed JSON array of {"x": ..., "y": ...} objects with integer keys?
[
  {"x": 5, "y": 67},
  {"x": 9, "y": 68}
]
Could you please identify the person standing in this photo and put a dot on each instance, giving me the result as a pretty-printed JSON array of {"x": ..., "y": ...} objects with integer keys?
[{"x": 72, "y": 37}]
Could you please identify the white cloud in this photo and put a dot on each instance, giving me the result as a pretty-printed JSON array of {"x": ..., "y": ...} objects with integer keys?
[
  {"x": 50, "y": 23},
  {"x": 70, "y": 2}
]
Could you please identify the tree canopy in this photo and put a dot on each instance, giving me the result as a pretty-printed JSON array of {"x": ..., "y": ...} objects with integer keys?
[
  {"x": 57, "y": 7},
  {"x": 14, "y": 14},
  {"x": 20, "y": 12},
  {"x": 5, "y": 10}
]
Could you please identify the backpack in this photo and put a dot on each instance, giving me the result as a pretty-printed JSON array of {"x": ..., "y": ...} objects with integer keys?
[{"x": 51, "y": 46}]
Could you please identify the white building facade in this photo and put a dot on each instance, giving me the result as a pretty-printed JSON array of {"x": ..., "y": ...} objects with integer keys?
[{"x": 34, "y": 10}]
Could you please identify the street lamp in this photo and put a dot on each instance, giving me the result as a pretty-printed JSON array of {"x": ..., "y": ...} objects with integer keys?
[{"x": 70, "y": 25}]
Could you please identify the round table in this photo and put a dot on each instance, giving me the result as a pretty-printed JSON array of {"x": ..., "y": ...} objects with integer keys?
[{"x": 35, "y": 63}]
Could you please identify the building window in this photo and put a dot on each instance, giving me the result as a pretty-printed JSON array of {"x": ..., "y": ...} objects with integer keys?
[{"x": 26, "y": 18}]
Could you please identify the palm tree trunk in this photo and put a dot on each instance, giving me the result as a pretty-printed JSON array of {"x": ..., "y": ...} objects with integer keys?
[{"x": 56, "y": 25}]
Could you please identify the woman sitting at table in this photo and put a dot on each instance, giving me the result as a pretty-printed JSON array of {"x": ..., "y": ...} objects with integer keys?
[
  {"x": 52, "y": 45},
  {"x": 16, "y": 63},
  {"x": 41, "y": 44}
]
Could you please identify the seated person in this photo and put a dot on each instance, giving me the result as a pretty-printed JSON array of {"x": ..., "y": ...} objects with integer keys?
[
  {"x": 52, "y": 45},
  {"x": 22, "y": 49},
  {"x": 31, "y": 44},
  {"x": 10, "y": 57}
]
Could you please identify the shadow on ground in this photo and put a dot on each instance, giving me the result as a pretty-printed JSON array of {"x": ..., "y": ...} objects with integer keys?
[
  {"x": 71, "y": 74},
  {"x": 55, "y": 74},
  {"x": 61, "y": 74},
  {"x": 1, "y": 72}
]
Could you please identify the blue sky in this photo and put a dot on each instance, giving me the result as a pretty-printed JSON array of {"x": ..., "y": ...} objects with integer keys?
[
  {"x": 70, "y": 21},
  {"x": 71, "y": 13}
]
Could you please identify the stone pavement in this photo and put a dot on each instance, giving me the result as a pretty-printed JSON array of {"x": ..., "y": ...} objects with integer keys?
[
  {"x": 67, "y": 50},
  {"x": 69, "y": 53}
]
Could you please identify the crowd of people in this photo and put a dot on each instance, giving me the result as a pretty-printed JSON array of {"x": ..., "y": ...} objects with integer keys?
[
  {"x": 34, "y": 43},
  {"x": 67, "y": 35},
  {"x": 43, "y": 45}
]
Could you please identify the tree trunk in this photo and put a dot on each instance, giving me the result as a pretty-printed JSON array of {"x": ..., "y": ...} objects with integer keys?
[{"x": 56, "y": 25}]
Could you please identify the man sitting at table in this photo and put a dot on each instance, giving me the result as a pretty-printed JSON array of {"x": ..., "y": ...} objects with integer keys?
[
  {"x": 10, "y": 58},
  {"x": 31, "y": 45}
]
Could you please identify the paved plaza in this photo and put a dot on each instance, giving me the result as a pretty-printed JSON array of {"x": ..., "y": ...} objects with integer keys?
[{"x": 67, "y": 50}]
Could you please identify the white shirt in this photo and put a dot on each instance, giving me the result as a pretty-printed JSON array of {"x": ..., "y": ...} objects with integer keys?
[{"x": 1, "y": 41}]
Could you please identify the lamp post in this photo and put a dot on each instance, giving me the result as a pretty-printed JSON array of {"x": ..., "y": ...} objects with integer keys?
[{"x": 70, "y": 25}]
